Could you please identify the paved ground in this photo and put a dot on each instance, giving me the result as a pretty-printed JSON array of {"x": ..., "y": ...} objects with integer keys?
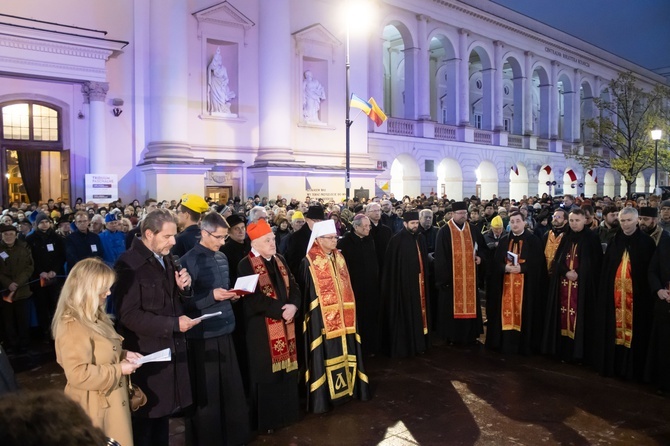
[{"x": 462, "y": 396}]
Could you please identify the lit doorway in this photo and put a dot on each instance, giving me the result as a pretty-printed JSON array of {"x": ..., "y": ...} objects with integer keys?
[{"x": 32, "y": 158}]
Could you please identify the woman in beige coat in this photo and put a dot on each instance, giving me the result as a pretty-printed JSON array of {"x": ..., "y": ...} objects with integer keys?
[{"x": 89, "y": 350}]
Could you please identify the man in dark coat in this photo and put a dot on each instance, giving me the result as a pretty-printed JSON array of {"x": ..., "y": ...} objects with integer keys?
[
  {"x": 427, "y": 228},
  {"x": 625, "y": 304},
  {"x": 297, "y": 243},
  {"x": 148, "y": 293},
  {"x": 358, "y": 249},
  {"x": 649, "y": 224},
  {"x": 236, "y": 248},
  {"x": 405, "y": 301},
  {"x": 189, "y": 213},
  {"x": 48, "y": 251},
  {"x": 221, "y": 415},
  {"x": 459, "y": 318},
  {"x": 82, "y": 243},
  {"x": 380, "y": 234},
  {"x": 270, "y": 320},
  {"x": 570, "y": 319},
  {"x": 515, "y": 285},
  {"x": 658, "y": 362}
]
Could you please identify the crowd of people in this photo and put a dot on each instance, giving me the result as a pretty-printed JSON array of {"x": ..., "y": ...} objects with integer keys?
[{"x": 327, "y": 285}]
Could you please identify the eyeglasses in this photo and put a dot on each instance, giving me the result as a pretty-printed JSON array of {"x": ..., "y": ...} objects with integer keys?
[
  {"x": 218, "y": 237},
  {"x": 330, "y": 237}
]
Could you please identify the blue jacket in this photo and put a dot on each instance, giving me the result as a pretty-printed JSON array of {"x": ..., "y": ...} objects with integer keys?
[
  {"x": 113, "y": 245},
  {"x": 208, "y": 270}
]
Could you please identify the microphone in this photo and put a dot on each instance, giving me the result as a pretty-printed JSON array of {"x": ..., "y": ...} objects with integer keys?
[{"x": 178, "y": 267}]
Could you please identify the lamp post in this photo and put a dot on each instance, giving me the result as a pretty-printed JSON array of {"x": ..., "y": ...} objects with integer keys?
[
  {"x": 357, "y": 12},
  {"x": 656, "y": 135},
  {"x": 347, "y": 121}
]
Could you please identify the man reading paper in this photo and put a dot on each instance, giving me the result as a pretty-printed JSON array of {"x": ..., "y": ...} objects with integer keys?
[
  {"x": 270, "y": 332},
  {"x": 221, "y": 415}
]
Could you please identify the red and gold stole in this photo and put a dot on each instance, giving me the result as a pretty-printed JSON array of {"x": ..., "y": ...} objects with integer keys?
[
  {"x": 333, "y": 290},
  {"x": 281, "y": 335},
  {"x": 551, "y": 247},
  {"x": 422, "y": 290},
  {"x": 512, "y": 297},
  {"x": 623, "y": 302},
  {"x": 569, "y": 292},
  {"x": 464, "y": 272}
]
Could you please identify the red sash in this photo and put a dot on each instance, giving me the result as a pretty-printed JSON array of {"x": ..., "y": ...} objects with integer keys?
[
  {"x": 333, "y": 290},
  {"x": 512, "y": 298},
  {"x": 464, "y": 271},
  {"x": 422, "y": 290},
  {"x": 623, "y": 302},
  {"x": 281, "y": 335},
  {"x": 569, "y": 292}
]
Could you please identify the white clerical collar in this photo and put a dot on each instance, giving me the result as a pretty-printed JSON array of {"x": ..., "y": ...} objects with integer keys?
[
  {"x": 517, "y": 235},
  {"x": 258, "y": 254}
]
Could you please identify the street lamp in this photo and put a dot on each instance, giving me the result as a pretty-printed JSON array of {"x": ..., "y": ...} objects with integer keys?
[
  {"x": 656, "y": 135},
  {"x": 357, "y": 11}
]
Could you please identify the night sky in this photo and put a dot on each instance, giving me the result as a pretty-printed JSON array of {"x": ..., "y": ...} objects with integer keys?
[{"x": 636, "y": 30}]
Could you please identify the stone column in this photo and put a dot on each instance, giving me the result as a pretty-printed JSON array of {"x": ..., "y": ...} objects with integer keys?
[
  {"x": 275, "y": 83},
  {"x": 498, "y": 87},
  {"x": 577, "y": 106},
  {"x": 553, "y": 101},
  {"x": 422, "y": 79},
  {"x": 94, "y": 95},
  {"x": 528, "y": 98},
  {"x": 488, "y": 78},
  {"x": 463, "y": 79},
  {"x": 411, "y": 82},
  {"x": 168, "y": 71}
]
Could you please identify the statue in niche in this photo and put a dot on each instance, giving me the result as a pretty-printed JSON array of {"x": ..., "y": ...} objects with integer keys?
[
  {"x": 313, "y": 94},
  {"x": 218, "y": 90}
]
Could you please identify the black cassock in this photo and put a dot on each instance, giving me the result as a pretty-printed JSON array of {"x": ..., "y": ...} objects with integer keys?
[
  {"x": 531, "y": 260},
  {"x": 361, "y": 257},
  {"x": 403, "y": 331},
  {"x": 611, "y": 359},
  {"x": 273, "y": 396},
  {"x": 658, "y": 360},
  {"x": 460, "y": 331},
  {"x": 589, "y": 256}
]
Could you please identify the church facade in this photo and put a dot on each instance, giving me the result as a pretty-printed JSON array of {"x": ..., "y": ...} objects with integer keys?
[{"x": 237, "y": 98}]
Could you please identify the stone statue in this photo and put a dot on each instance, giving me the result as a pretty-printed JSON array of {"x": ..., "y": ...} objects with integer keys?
[
  {"x": 313, "y": 94},
  {"x": 219, "y": 92}
]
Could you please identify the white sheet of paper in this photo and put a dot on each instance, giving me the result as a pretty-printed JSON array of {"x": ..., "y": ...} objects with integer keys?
[
  {"x": 159, "y": 356},
  {"x": 207, "y": 316},
  {"x": 246, "y": 283}
]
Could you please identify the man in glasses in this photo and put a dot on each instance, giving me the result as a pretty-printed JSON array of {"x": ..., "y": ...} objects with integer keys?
[
  {"x": 221, "y": 415},
  {"x": 82, "y": 243}
]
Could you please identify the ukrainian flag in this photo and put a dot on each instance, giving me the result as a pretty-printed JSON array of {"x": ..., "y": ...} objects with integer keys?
[{"x": 360, "y": 104}]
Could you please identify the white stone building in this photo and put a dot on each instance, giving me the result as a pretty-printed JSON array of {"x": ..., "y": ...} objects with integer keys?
[{"x": 480, "y": 100}]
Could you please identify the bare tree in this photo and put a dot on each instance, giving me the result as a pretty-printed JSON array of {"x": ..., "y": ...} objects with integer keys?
[{"x": 622, "y": 129}]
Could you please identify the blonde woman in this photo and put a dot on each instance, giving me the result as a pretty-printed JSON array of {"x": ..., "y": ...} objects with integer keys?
[{"x": 89, "y": 350}]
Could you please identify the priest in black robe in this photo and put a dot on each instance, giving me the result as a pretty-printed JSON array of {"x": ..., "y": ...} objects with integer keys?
[
  {"x": 236, "y": 248},
  {"x": 359, "y": 251},
  {"x": 658, "y": 361},
  {"x": 571, "y": 311},
  {"x": 515, "y": 285},
  {"x": 405, "y": 300},
  {"x": 298, "y": 241},
  {"x": 625, "y": 303},
  {"x": 459, "y": 311},
  {"x": 380, "y": 233},
  {"x": 334, "y": 358},
  {"x": 271, "y": 332}
]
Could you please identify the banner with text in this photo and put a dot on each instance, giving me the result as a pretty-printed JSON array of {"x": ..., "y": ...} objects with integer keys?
[{"x": 101, "y": 188}]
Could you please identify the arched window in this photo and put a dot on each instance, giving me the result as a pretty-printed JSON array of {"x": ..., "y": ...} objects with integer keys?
[{"x": 31, "y": 122}]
